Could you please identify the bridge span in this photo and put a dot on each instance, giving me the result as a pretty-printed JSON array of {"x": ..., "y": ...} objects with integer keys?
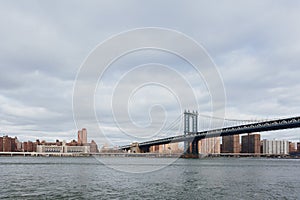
[{"x": 191, "y": 139}]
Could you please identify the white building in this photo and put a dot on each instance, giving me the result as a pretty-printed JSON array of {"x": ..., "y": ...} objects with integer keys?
[
  {"x": 275, "y": 147},
  {"x": 62, "y": 149}
]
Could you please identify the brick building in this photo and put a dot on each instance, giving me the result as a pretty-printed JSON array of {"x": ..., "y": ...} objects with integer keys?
[
  {"x": 251, "y": 143},
  {"x": 231, "y": 144}
]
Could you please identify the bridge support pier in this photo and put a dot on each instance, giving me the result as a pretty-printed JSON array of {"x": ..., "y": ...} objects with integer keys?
[
  {"x": 191, "y": 149},
  {"x": 191, "y": 126},
  {"x": 145, "y": 149}
]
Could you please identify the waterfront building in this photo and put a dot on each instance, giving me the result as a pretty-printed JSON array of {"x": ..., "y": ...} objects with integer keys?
[
  {"x": 275, "y": 147},
  {"x": 1, "y": 144},
  {"x": 29, "y": 146},
  {"x": 172, "y": 148},
  {"x": 251, "y": 143},
  {"x": 154, "y": 149},
  {"x": 7, "y": 144},
  {"x": 209, "y": 146},
  {"x": 292, "y": 147},
  {"x": 18, "y": 145},
  {"x": 231, "y": 144},
  {"x": 94, "y": 147},
  {"x": 62, "y": 148}
]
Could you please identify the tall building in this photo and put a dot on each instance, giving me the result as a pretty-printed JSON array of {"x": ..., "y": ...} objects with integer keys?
[
  {"x": 231, "y": 144},
  {"x": 82, "y": 136},
  {"x": 275, "y": 147},
  {"x": 251, "y": 143},
  {"x": 209, "y": 146}
]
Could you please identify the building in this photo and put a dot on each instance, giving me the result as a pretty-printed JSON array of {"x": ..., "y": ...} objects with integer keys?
[
  {"x": 154, "y": 149},
  {"x": 94, "y": 147},
  {"x": 298, "y": 147},
  {"x": 292, "y": 147},
  {"x": 8, "y": 144},
  {"x": 82, "y": 136},
  {"x": 166, "y": 148},
  {"x": 251, "y": 143},
  {"x": 231, "y": 144},
  {"x": 275, "y": 147},
  {"x": 18, "y": 145},
  {"x": 209, "y": 146},
  {"x": 1, "y": 144},
  {"x": 57, "y": 148}
]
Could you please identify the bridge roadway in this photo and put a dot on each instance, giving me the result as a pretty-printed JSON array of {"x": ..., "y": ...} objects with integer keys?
[{"x": 193, "y": 138}]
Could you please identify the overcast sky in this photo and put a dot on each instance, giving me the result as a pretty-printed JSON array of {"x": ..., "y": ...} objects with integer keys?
[{"x": 254, "y": 44}]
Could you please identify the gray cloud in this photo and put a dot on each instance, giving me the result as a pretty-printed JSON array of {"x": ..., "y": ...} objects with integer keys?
[{"x": 254, "y": 44}]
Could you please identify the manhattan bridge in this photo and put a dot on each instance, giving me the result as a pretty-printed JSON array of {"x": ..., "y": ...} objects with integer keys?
[{"x": 192, "y": 135}]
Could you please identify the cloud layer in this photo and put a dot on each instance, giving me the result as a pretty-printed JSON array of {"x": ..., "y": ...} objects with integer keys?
[{"x": 255, "y": 45}]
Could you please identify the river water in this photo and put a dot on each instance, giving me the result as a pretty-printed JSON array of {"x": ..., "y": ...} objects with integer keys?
[{"x": 88, "y": 178}]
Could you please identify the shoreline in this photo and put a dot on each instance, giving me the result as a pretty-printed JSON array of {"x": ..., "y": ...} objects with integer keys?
[{"x": 146, "y": 155}]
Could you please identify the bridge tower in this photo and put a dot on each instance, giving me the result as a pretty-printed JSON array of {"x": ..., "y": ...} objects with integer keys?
[{"x": 190, "y": 126}]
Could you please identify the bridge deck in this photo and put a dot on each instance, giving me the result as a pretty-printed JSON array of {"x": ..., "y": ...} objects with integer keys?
[{"x": 280, "y": 124}]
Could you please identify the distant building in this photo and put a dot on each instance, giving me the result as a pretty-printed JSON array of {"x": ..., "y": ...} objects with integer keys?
[
  {"x": 292, "y": 147},
  {"x": 209, "y": 146},
  {"x": 8, "y": 144},
  {"x": 62, "y": 148},
  {"x": 251, "y": 143},
  {"x": 1, "y": 144},
  {"x": 166, "y": 148},
  {"x": 29, "y": 146},
  {"x": 94, "y": 147},
  {"x": 275, "y": 147},
  {"x": 82, "y": 136},
  {"x": 154, "y": 149},
  {"x": 231, "y": 144},
  {"x": 18, "y": 145}
]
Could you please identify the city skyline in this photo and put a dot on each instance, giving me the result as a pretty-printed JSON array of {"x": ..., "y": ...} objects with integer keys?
[{"x": 43, "y": 51}]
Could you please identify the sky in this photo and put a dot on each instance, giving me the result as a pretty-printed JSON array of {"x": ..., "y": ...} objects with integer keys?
[{"x": 254, "y": 46}]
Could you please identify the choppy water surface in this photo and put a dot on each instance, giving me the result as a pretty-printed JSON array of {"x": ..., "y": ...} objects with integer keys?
[{"x": 217, "y": 178}]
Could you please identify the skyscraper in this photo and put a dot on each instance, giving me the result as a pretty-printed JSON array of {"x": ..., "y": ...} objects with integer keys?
[{"x": 82, "y": 136}]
